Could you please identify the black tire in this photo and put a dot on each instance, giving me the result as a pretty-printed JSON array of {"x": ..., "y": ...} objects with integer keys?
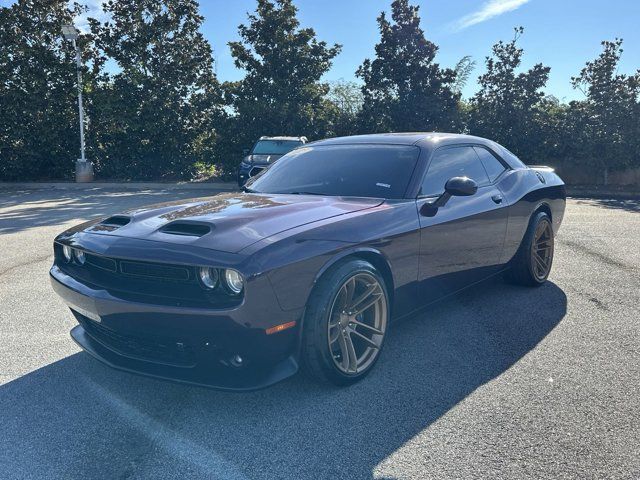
[
  {"x": 317, "y": 359},
  {"x": 523, "y": 269}
]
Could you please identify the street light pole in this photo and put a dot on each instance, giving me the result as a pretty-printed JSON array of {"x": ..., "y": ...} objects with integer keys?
[
  {"x": 80, "y": 108},
  {"x": 84, "y": 169}
]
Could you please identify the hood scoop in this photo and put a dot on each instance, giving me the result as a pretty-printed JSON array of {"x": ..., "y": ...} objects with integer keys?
[
  {"x": 112, "y": 223},
  {"x": 187, "y": 229}
]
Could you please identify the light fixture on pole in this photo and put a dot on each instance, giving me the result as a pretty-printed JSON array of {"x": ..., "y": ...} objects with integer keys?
[{"x": 84, "y": 169}]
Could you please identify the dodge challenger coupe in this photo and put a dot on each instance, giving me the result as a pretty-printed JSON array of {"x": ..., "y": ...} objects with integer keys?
[{"x": 310, "y": 264}]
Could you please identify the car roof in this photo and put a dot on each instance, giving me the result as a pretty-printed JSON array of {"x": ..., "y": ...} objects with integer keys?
[
  {"x": 427, "y": 140},
  {"x": 408, "y": 138}
]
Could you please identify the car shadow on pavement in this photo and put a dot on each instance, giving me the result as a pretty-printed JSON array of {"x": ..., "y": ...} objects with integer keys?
[
  {"x": 77, "y": 418},
  {"x": 630, "y": 205}
]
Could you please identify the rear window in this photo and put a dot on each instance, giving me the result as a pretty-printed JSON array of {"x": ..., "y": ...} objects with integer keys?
[
  {"x": 380, "y": 171},
  {"x": 274, "y": 147}
]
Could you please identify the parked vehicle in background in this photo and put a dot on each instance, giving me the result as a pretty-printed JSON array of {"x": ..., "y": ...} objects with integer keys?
[{"x": 264, "y": 153}]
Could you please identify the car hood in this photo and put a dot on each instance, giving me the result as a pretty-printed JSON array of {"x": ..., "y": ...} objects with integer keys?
[{"x": 227, "y": 222}]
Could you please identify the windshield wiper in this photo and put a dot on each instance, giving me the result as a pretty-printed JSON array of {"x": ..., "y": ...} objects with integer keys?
[{"x": 248, "y": 190}]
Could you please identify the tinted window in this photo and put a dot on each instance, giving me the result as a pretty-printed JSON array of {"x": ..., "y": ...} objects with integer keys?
[
  {"x": 491, "y": 164},
  {"x": 508, "y": 156},
  {"x": 381, "y": 171},
  {"x": 278, "y": 147},
  {"x": 452, "y": 162}
]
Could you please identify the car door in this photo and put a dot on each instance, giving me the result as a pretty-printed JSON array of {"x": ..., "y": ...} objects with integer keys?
[{"x": 462, "y": 241}]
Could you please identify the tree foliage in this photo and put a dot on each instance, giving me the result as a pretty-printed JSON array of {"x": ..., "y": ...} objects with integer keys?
[
  {"x": 281, "y": 93},
  {"x": 404, "y": 88},
  {"x": 463, "y": 70},
  {"x": 156, "y": 115},
  {"x": 38, "y": 113},
  {"x": 346, "y": 100},
  {"x": 609, "y": 115},
  {"x": 505, "y": 107}
]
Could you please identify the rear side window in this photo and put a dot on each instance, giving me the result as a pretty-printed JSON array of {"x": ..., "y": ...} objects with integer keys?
[
  {"x": 452, "y": 162},
  {"x": 491, "y": 164}
]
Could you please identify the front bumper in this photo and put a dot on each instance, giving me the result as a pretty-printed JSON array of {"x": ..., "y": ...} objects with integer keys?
[{"x": 184, "y": 344}]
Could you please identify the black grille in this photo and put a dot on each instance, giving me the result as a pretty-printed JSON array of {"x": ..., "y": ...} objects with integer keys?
[
  {"x": 255, "y": 171},
  {"x": 104, "y": 263},
  {"x": 146, "y": 282},
  {"x": 154, "y": 349},
  {"x": 154, "y": 270}
]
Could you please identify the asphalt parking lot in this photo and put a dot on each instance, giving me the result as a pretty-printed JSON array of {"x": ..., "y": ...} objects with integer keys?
[{"x": 497, "y": 382}]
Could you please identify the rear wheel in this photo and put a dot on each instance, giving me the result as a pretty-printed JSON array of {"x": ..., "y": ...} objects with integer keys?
[
  {"x": 532, "y": 264},
  {"x": 345, "y": 323}
]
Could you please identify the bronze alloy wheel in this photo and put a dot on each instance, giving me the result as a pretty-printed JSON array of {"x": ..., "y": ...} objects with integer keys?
[
  {"x": 542, "y": 250},
  {"x": 357, "y": 323}
]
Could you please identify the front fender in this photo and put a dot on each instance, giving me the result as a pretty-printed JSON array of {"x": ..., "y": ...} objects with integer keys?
[{"x": 293, "y": 267}]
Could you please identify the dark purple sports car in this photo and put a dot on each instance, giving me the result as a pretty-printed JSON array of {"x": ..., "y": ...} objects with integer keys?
[{"x": 310, "y": 264}]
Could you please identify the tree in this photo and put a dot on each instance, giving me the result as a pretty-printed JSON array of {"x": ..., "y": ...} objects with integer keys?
[
  {"x": 155, "y": 116},
  {"x": 610, "y": 114},
  {"x": 404, "y": 89},
  {"x": 38, "y": 112},
  {"x": 281, "y": 93},
  {"x": 463, "y": 70},
  {"x": 505, "y": 107},
  {"x": 346, "y": 99}
]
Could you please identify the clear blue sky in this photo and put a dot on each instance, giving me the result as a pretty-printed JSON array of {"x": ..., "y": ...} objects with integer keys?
[{"x": 562, "y": 34}]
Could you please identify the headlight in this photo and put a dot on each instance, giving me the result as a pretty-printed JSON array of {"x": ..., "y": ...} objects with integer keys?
[
  {"x": 79, "y": 256},
  {"x": 233, "y": 281},
  {"x": 208, "y": 277},
  {"x": 67, "y": 251}
]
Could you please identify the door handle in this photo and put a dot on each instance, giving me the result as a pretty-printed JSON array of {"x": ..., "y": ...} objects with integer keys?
[{"x": 497, "y": 199}]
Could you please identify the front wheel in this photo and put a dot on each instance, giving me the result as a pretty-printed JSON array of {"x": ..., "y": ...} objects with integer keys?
[
  {"x": 345, "y": 323},
  {"x": 532, "y": 264}
]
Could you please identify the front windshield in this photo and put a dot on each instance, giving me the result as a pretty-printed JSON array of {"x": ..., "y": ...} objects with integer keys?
[
  {"x": 274, "y": 147},
  {"x": 379, "y": 171}
]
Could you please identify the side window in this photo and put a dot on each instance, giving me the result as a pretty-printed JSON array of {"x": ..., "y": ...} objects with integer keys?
[
  {"x": 492, "y": 165},
  {"x": 452, "y": 162}
]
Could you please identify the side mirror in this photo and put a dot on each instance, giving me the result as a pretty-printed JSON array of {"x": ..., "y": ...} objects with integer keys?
[
  {"x": 460, "y": 187},
  {"x": 245, "y": 152},
  {"x": 455, "y": 187}
]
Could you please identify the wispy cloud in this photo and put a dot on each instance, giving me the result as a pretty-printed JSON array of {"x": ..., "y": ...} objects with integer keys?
[{"x": 490, "y": 9}]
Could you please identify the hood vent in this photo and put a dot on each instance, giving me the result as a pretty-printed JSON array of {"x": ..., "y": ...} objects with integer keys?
[
  {"x": 186, "y": 228},
  {"x": 116, "y": 221},
  {"x": 111, "y": 223}
]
